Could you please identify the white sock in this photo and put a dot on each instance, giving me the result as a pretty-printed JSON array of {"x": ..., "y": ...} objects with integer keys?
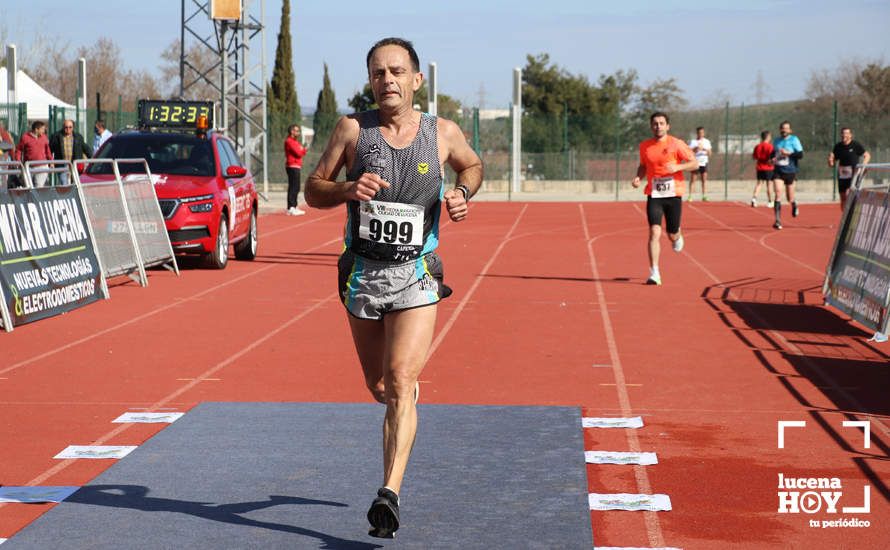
[{"x": 653, "y": 272}]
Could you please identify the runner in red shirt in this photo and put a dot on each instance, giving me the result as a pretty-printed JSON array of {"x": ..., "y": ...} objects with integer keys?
[
  {"x": 763, "y": 155},
  {"x": 663, "y": 159}
]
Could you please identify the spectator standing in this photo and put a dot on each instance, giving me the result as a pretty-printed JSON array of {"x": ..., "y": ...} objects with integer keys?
[
  {"x": 701, "y": 146},
  {"x": 102, "y": 135},
  {"x": 35, "y": 146},
  {"x": 847, "y": 154},
  {"x": 763, "y": 158},
  {"x": 293, "y": 156},
  {"x": 68, "y": 145}
]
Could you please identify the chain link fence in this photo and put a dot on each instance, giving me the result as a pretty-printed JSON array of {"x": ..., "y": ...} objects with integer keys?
[
  {"x": 600, "y": 154},
  {"x": 574, "y": 154}
]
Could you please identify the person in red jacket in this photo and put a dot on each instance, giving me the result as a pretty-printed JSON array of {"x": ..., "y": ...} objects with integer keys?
[
  {"x": 34, "y": 145},
  {"x": 763, "y": 155},
  {"x": 293, "y": 156}
]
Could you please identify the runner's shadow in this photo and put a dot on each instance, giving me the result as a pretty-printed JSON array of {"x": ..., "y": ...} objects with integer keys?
[
  {"x": 136, "y": 497},
  {"x": 799, "y": 341}
]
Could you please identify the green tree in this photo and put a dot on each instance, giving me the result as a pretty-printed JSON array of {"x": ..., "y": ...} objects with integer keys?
[
  {"x": 661, "y": 95},
  {"x": 283, "y": 108},
  {"x": 564, "y": 111},
  {"x": 363, "y": 100},
  {"x": 325, "y": 110}
]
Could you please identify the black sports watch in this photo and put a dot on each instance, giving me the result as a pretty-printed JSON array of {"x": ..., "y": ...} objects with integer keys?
[{"x": 463, "y": 189}]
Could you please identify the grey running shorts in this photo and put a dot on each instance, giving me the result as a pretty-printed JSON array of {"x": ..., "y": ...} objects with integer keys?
[{"x": 369, "y": 289}]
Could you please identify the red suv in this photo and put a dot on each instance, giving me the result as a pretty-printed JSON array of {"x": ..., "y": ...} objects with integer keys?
[{"x": 208, "y": 198}]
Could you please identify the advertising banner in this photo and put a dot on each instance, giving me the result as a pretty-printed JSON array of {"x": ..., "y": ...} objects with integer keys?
[
  {"x": 47, "y": 261},
  {"x": 858, "y": 278}
]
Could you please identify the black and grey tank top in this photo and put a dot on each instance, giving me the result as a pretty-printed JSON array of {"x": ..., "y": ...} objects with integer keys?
[{"x": 402, "y": 222}]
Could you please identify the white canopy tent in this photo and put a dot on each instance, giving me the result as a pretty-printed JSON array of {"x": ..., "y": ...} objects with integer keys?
[{"x": 28, "y": 91}]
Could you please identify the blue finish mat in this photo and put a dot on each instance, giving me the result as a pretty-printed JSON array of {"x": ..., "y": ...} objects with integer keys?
[{"x": 302, "y": 475}]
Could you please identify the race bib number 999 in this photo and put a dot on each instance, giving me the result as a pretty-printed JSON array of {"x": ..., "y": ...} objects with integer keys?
[
  {"x": 391, "y": 223},
  {"x": 663, "y": 188}
]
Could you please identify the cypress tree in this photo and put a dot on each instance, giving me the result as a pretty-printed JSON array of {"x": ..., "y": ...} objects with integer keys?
[
  {"x": 282, "y": 105},
  {"x": 325, "y": 109}
]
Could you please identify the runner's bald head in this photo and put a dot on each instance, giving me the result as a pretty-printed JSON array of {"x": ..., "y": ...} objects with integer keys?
[{"x": 394, "y": 41}]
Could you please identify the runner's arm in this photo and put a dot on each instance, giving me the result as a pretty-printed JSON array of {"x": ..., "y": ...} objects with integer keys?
[
  {"x": 689, "y": 165},
  {"x": 322, "y": 190},
  {"x": 463, "y": 160},
  {"x": 686, "y": 155},
  {"x": 641, "y": 173}
]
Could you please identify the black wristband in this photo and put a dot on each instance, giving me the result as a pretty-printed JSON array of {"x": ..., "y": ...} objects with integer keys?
[{"x": 463, "y": 189}]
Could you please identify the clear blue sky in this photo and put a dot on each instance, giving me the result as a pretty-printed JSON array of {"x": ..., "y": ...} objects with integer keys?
[{"x": 712, "y": 47}]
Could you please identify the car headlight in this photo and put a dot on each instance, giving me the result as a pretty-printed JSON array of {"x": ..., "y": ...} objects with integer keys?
[
  {"x": 199, "y": 198},
  {"x": 203, "y": 207}
]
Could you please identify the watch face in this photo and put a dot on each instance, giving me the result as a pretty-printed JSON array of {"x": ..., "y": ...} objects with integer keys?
[{"x": 178, "y": 114}]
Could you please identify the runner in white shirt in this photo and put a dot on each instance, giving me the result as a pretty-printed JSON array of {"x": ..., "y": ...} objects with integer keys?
[{"x": 701, "y": 146}]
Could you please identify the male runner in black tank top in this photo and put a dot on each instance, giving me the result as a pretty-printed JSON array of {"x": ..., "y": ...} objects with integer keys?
[{"x": 392, "y": 335}]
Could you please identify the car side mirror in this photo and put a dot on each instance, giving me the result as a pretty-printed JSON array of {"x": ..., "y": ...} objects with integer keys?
[{"x": 236, "y": 172}]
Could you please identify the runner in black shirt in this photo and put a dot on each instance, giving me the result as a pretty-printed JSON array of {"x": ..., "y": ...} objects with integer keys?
[{"x": 846, "y": 154}]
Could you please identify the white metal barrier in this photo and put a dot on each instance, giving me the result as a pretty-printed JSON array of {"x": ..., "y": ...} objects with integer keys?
[
  {"x": 49, "y": 167},
  {"x": 12, "y": 168},
  {"x": 148, "y": 219},
  {"x": 127, "y": 246}
]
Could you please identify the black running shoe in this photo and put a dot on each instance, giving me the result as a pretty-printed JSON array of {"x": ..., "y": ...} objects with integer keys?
[
  {"x": 794, "y": 210},
  {"x": 384, "y": 514},
  {"x": 777, "y": 225}
]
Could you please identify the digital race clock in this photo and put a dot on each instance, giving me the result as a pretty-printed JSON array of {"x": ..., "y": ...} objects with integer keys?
[{"x": 174, "y": 113}]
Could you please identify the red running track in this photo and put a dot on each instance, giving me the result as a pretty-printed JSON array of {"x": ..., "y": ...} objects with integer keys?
[{"x": 549, "y": 309}]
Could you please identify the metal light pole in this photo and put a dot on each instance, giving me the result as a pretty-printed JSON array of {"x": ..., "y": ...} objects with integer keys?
[
  {"x": 515, "y": 179},
  {"x": 433, "y": 90}
]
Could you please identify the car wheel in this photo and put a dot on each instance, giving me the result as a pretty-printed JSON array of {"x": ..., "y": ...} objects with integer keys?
[
  {"x": 219, "y": 257},
  {"x": 246, "y": 249}
]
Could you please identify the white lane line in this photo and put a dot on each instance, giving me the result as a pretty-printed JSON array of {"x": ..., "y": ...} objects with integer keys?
[
  {"x": 148, "y": 418},
  {"x": 653, "y": 527},
  {"x": 616, "y": 457},
  {"x": 460, "y": 307},
  {"x": 629, "y": 502},
  {"x": 297, "y": 225},
  {"x": 96, "y": 451},
  {"x": 148, "y": 314},
  {"x": 760, "y": 242},
  {"x": 169, "y": 398}
]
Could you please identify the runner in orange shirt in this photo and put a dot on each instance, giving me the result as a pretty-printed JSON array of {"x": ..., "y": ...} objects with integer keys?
[{"x": 663, "y": 159}]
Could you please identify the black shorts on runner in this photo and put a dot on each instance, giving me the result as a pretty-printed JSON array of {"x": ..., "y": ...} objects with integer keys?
[
  {"x": 670, "y": 208},
  {"x": 702, "y": 169},
  {"x": 844, "y": 185},
  {"x": 788, "y": 178},
  {"x": 765, "y": 175}
]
